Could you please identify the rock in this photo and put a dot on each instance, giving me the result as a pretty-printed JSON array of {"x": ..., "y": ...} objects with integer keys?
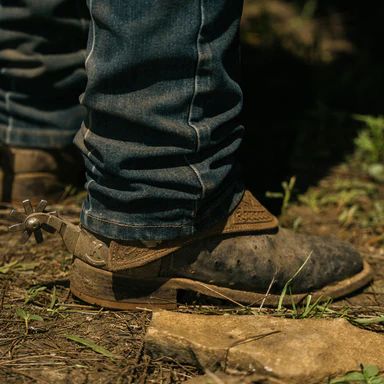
[
  {"x": 296, "y": 351},
  {"x": 223, "y": 378}
]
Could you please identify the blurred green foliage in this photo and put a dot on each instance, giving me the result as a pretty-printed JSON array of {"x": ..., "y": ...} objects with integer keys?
[
  {"x": 370, "y": 146},
  {"x": 296, "y": 27},
  {"x": 370, "y": 140},
  {"x": 309, "y": 67}
]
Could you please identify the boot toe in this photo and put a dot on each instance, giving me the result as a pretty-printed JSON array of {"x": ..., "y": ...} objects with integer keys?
[
  {"x": 252, "y": 262},
  {"x": 330, "y": 261}
]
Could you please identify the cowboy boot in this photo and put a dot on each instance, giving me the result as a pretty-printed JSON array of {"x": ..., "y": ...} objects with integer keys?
[
  {"x": 246, "y": 259},
  {"x": 33, "y": 173}
]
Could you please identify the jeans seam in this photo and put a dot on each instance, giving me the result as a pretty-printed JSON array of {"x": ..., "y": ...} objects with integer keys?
[
  {"x": 86, "y": 187},
  {"x": 135, "y": 225},
  {"x": 93, "y": 26},
  {"x": 195, "y": 91},
  {"x": 89, "y": 153},
  {"x": 87, "y": 132}
]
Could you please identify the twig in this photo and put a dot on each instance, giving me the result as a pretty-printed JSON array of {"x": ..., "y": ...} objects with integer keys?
[{"x": 245, "y": 341}]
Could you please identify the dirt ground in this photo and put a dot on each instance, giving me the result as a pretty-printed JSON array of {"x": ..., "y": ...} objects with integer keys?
[{"x": 34, "y": 285}]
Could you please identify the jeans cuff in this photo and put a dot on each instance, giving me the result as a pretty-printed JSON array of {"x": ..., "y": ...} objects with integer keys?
[{"x": 111, "y": 229}]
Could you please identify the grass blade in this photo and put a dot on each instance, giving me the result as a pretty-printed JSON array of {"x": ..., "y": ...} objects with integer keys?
[
  {"x": 288, "y": 283},
  {"x": 8, "y": 267},
  {"x": 370, "y": 320},
  {"x": 92, "y": 345},
  {"x": 53, "y": 298},
  {"x": 17, "y": 266}
]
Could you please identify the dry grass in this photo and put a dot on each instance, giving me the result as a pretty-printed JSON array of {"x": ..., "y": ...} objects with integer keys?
[{"x": 45, "y": 354}]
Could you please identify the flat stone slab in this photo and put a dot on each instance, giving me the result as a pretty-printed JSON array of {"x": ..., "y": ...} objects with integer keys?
[
  {"x": 296, "y": 351},
  {"x": 222, "y": 378}
]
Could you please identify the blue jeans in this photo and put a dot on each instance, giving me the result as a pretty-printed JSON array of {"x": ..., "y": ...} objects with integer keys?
[
  {"x": 161, "y": 131},
  {"x": 41, "y": 71}
]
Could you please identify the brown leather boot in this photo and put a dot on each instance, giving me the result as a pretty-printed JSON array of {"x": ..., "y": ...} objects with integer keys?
[
  {"x": 246, "y": 259},
  {"x": 31, "y": 173}
]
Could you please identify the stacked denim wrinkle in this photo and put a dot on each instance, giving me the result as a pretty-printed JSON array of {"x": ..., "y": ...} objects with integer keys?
[
  {"x": 42, "y": 50},
  {"x": 161, "y": 130}
]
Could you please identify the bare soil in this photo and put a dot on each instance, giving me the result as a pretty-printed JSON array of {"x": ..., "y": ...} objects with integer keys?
[{"x": 43, "y": 353}]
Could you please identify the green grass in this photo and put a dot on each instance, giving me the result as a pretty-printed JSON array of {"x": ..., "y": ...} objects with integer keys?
[
  {"x": 33, "y": 293},
  {"x": 91, "y": 345},
  {"x": 370, "y": 141},
  {"x": 27, "y": 317},
  {"x": 370, "y": 146},
  {"x": 369, "y": 374},
  {"x": 286, "y": 194}
]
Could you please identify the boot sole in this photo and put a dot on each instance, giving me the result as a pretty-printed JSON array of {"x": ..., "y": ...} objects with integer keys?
[{"x": 117, "y": 291}]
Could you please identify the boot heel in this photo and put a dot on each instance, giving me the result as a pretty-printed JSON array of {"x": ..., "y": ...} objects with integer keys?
[{"x": 118, "y": 291}]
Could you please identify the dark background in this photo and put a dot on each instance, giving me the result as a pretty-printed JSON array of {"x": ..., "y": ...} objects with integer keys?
[{"x": 307, "y": 68}]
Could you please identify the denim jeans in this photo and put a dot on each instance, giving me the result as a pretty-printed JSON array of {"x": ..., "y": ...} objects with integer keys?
[
  {"x": 42, "y": 50},
  {"x": 161, "y": 131}
]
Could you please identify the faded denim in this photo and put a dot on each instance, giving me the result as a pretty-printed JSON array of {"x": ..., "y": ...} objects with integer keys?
[
  {"x": 161, "y": 132},
  {"x": 42, "y": 51},
  {"x": 162, "y": 129}
]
